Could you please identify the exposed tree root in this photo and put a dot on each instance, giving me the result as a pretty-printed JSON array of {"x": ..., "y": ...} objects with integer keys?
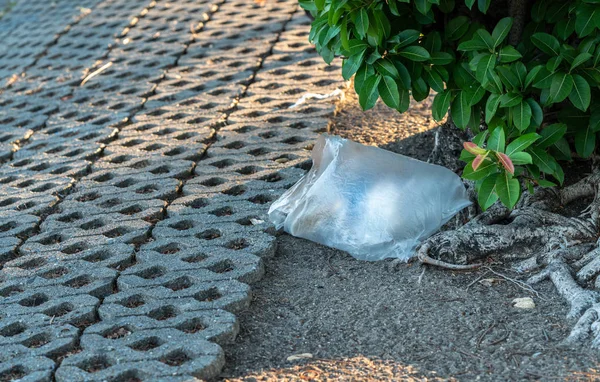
[{"x": 562, "y": 249}]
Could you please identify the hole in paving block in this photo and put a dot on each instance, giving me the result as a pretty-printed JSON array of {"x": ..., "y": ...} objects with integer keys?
[
  {"x": 126, "y": 183},
  {"x": 160, "y": 170},
  {"x": 7, "y": 202},
  {"x": 70, "y": 217},
  {"x": 168, "y": 249},
  {"x": 271, "y": 178},
  {"x": 8, "y": 226},
  {"x": 124, "y": 264},
  {"x": 245, "y": 129},
  {"x": 98, "y": 256},
  {"x": 258, "y": 152},
  {"x": 13, "y": 374},
  {"x": 208, "y": 295},
  {"x": 37, "y": 341},
  {"x": 95, "y": 364},
  {"x": 224, "y": 211},
  {"x": 55, "y": 273},
  {"x": 175, "y": 358},
  {"x": 44, "y": 187},
  {"x": 152, "y": 273},
  {"x": 196, "y": 258},
  {"x": 268, "y": 134},
  {"x": 13, "y": 329},
  {"x": 163, "y": 313},
  {"x": 235, "y": 191},
  {"x": 116, "y": 333},
  {"x": 111, "y": 203},
  {"x": 293, "y": 140},
  {"x": 237, "y": 244},
  {"x": 60, "y": 310},
  {"x": 94, "y": 224},
  {"x": 222, "y": 163},
  {"x": 8, "y": 179},
  {"x": 27, "y": 183},
  {"x": 40, "y": 167},
  {"x": 197, "y": 203},
  {"x": 22, "y": 163},
  {"x": 146, "y": 189},
  {"x": 78, "y": 282},
  {"x": 146, "y": 344},
  {"x": 179, "y": 283},
  {"x": 75, "y": 248},
  {"x": 140, "y": 164},
  {"x": 248, "y": 170},
  {"x": 10, "y": 291},
  {"x": 235, "y": 145},
  {"x": 209, "y": 234},
  {"x": 247, "y": 221},
  {"x": 133, "y": 301},
  {"x": 128, "y": 376},
  {"x": 131, "y": 210},
  {"x": 51, "y": 239},
  {"x": 33, "y": 263},
  {"x": 192, "y": 326},
  {"x": 297, "y": 125},
  {"x": 223, "y": 266},
  {"x": 120, "y": 159},
  {"x": 182, "y": 225},
  {"x": 117, "y": 232},
  {"x": 88, "y": 197},
  {"x": 25, "y": 206},
  {"x": 276, "y": 120},
  {"x": 175, "y": 151},
  {"x": 212, "y": 182},
  {"x": 153, "y": 147}
]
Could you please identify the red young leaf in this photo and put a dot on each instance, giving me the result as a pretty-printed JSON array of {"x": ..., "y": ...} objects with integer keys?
[
  {"x": 506, "y": 162},
  {"x": 473, "y": 148},
  {"x": 478, "y": 161}
]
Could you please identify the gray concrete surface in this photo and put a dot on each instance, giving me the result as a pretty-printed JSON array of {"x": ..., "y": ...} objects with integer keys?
[{"x": 141, "y": 143}]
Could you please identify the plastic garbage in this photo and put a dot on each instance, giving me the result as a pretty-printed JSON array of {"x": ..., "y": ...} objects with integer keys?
[{"x": 367, "y": 201}]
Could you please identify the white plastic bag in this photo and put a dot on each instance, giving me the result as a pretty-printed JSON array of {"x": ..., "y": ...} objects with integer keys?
[{"x": 367, "y": 201}]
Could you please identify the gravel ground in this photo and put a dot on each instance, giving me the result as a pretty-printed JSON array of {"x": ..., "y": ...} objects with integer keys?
[{"x": 370, "y": 321}]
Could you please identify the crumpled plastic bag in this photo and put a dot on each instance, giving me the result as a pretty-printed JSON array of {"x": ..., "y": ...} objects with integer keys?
[{"x": 367, "y": 201}]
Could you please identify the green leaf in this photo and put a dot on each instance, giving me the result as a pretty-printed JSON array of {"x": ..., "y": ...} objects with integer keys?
[
  {"x": 440, "y": 105},
  {"x": 545, "y": 183},
  {"x": 434, "y": 80},
  {"x": 561, "y": 150},
  {"x": 521, "y": 158},
  {"x": 537, "y": 114},
  {"x": 404, "y": 80},
  {"x": 585, "y": 142},
  {"x": 486, "y": 168},
  {"x": 362, "y": 22},
  {"x": 501, "y": 30},
  {"x": 388, "y": 91},
  {"x": 580, "y": 60},
  {"x": 369, "y": 93},
  {"x": 352, "y": 64},
  {"x": 562, "y": 84},
  {"x": 484, "y": 67},
  {"x": 356, "y": 46},
  {"x": 415, "y": 53},
  {"x": 542, "y": 160},
  {"x": 496, "y": 141},
  {"x": 521, "y": 115},
  {"x": 521, "y": 143},
  {"x": 461, "y": 110},
  {"x": 486, "y": 38},
  {"x": 584, "y": 22},
  {"x": 509, "y": 54},
  {"x": 441, "y": 58},
  {"x": 510, "y": 99},
  {"x": 406, "y": 37},
  {"x": 491, "y": 107},
  {"x": 581, "y": 94},
  {"x": 551, "y": 134},
  {"x": 457, "y": 27},
  {"x": 487, "y": 192},
  {"x": 508, "y": 189},
  {"x": 386, "y": 68},
  {"x": 404, "y": 100},
  {"x": 546, "y": 43}
]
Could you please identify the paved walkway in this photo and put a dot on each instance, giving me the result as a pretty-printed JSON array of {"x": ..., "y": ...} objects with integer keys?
[{"x": 141, "y": 143}]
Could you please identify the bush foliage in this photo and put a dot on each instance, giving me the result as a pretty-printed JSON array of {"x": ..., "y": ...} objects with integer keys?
[{"x": 531, "y": 101}]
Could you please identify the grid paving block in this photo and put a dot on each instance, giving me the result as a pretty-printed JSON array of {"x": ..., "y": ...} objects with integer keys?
[
  {"x": 184, "y": 116},
  {"x": 68, "y": 278},
  {"x": 242, "y": 211},
  {"x": 117, "y": 256},
  {"x": 126, "y": 180},
  {"x": 146, "y": 357},
  {"x": 128, "y": 209},
  {"x": 125, "y": 83},
  {"x": 164, "y": 189},
  {"x": 73, "y": 132},
  {"x": 122, "y": 165},
  {"x": 34, "y": 205},
  {"x": 218, "y": 98},
  {"x": 215, "y": 325},
  {"x": 24, "y": 368},
  {"x": 79, "y": 310},
  {"x": 99, "y": 224},
  {"x": 188, "y": 255},
  {"x": 89, "y": 216},
  {"x": 139, "y": 133},
  {"x": 17, "y": 224},
  {"x": 66, "y": 150},
  {"x": 163, "y": 148},
  {"x": 33, "y": 184},
  {"x": 38, "y": 336},
  {"x": 98, "y": 117},
  {"x": 48, "y": 165},
  {"x": 150, "y": 297},
  {"x": 128, "y": 232}
]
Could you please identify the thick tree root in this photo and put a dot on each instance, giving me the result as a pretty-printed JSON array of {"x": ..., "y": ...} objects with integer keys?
[{"x": 562, "y": 249}]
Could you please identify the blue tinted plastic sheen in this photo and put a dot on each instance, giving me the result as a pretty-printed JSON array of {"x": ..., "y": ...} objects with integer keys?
[{"x": 370, "y": 202}]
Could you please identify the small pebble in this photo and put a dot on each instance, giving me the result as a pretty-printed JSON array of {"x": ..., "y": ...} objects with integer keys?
[{"x": 523, "y": 303}]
